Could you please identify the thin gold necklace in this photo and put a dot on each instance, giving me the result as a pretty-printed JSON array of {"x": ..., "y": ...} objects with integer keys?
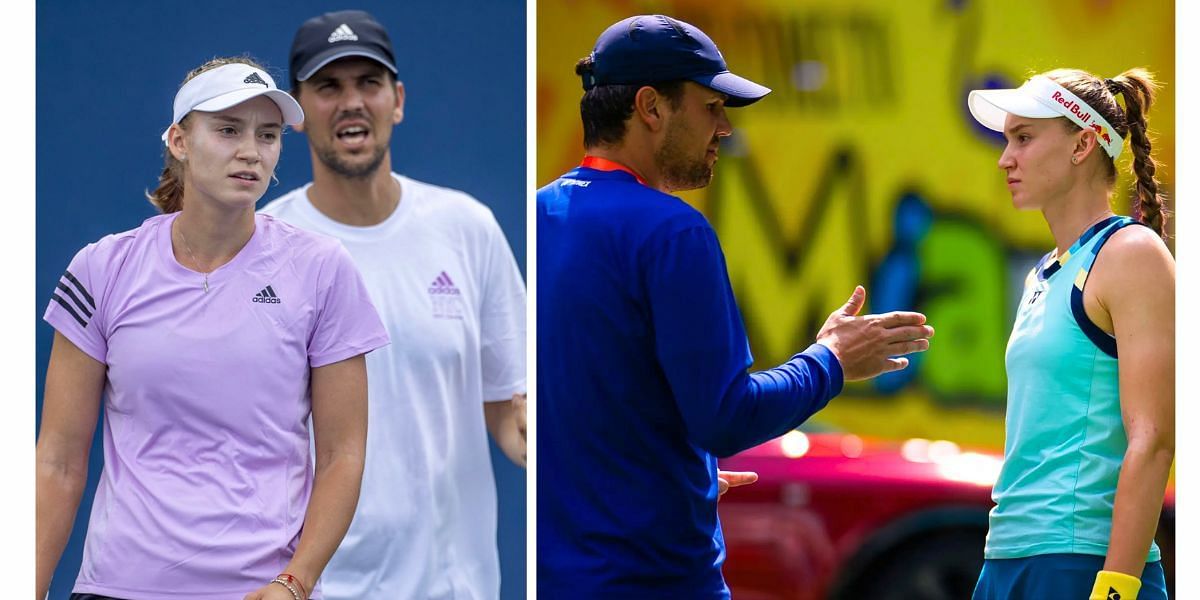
[{"x": 195, "y": 262}]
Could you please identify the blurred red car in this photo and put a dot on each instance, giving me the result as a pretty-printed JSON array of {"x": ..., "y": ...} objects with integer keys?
[{"x": 838, "y": 516}]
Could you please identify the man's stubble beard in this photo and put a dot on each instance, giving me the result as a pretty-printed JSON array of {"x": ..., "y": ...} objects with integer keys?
[
  {"x": 330, "y": 159},
  {"x": 679, "y": 171}
]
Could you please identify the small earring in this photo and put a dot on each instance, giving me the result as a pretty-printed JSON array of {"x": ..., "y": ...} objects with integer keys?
[
  {"x": 1074, "y": 160},
  {"x": 184, "y": 157}
]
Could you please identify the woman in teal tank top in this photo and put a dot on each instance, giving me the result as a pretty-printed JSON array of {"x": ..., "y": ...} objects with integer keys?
[{"x": 1090, "y": 425}]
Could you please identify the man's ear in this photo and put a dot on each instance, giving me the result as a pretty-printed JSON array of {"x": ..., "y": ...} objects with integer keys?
[
  {"x": 296, "y": 96},
  {"x": 398, "y": 111},
  {"x": 650, "y": 108}
]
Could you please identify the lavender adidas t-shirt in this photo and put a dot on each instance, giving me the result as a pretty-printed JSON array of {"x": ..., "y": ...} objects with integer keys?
[{"x": 206, "y": 443}]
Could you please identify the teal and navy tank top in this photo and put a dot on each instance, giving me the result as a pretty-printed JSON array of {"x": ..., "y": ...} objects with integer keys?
[{"x": 1064, "y": 439}]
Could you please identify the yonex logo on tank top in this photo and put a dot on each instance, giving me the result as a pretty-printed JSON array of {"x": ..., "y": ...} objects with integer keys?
[
  {"x": 254, "y": 78},
  {"x": 266, "y": 296},
  {"x": 343, "y": 34}
]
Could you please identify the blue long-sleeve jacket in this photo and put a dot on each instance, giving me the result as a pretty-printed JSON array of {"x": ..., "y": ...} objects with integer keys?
[{"x": 641, "y": 383}]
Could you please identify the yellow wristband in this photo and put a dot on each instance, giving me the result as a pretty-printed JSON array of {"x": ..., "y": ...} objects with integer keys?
[{"x": 1111, "y": 585}]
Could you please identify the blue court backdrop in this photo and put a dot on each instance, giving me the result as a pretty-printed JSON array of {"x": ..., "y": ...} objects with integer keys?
[{"x": 107, "y": 73}]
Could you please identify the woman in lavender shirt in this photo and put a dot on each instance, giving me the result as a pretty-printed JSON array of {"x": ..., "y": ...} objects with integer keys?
[{"x": 212, "y": 334}]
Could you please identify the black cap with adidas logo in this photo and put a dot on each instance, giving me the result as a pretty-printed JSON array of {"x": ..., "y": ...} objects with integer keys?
[{"x": 328, "y": 37}]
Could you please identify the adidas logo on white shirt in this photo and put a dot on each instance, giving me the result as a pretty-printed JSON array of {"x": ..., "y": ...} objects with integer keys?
[
  {"x": 446, "y": 299},
  {"x": 443, "y": 285},
  {"x": 343, "y": 34}
]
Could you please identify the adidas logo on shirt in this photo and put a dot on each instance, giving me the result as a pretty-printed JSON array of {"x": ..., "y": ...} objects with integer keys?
[
  {"x": 266, "y": 296},
  {"x": 443, "y": 286},
  {"x": 343, "y": 34},
  {"x": 446, "y": 299}
]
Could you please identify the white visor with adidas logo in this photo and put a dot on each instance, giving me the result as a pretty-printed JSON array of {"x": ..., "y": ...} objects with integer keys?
[{"x": 229, "y": 85}]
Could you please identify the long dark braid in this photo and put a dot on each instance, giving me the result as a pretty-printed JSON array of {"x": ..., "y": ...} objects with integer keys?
[{"x": 1137, "y": 87}]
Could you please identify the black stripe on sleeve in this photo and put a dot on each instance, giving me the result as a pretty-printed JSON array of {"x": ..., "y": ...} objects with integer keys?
[
  {"x": 79, "y": 286},
  {"x": 66, "y": 305},
  {"x": 78, "y": 303}
]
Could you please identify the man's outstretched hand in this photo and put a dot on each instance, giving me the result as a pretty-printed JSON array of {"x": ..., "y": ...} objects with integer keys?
[{"x": 871, "y": 345}]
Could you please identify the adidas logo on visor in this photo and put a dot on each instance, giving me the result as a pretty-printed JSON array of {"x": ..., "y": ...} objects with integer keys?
[
  {"x": 343, "y": 34},
  {"x": 254, "y": 78}
]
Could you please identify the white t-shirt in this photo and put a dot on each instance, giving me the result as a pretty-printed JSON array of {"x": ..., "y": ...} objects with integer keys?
[{"x": 446, "y": 284}]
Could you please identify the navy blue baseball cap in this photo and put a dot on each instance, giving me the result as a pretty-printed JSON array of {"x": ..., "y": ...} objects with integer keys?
[
  {"x": 656, "y": 48},
  {"x": 328, "y": 37}
]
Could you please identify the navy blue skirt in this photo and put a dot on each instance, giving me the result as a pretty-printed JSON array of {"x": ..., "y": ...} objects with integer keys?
[{"x": 1055, "y": 576}]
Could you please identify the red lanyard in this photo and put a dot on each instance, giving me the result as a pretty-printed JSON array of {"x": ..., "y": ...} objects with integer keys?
[{"x": 603, "y": 164}]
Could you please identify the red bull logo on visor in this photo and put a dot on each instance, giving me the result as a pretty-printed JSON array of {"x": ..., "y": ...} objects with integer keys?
[
  {"x": 1072, "y": 106},
  {"x": 1102, "y": 133}
]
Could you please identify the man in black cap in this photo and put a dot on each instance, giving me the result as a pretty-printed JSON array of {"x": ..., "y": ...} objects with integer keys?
[
  {"x": 449, "y": 292},
  {"x": 642, "y": 356}
]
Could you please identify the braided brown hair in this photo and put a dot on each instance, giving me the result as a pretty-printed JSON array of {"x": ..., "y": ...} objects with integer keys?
[
  {"x": 1137, "y": 87},
  {"x": 168, "y": 196}
]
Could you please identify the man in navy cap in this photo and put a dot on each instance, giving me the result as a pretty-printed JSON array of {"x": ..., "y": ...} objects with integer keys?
[
  {"x": 437, "y": 265},
  {"x": 642, "y": 356}
]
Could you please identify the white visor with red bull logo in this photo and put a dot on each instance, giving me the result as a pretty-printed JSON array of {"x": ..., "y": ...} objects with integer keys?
[{"x": 1042, "y": 98}]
